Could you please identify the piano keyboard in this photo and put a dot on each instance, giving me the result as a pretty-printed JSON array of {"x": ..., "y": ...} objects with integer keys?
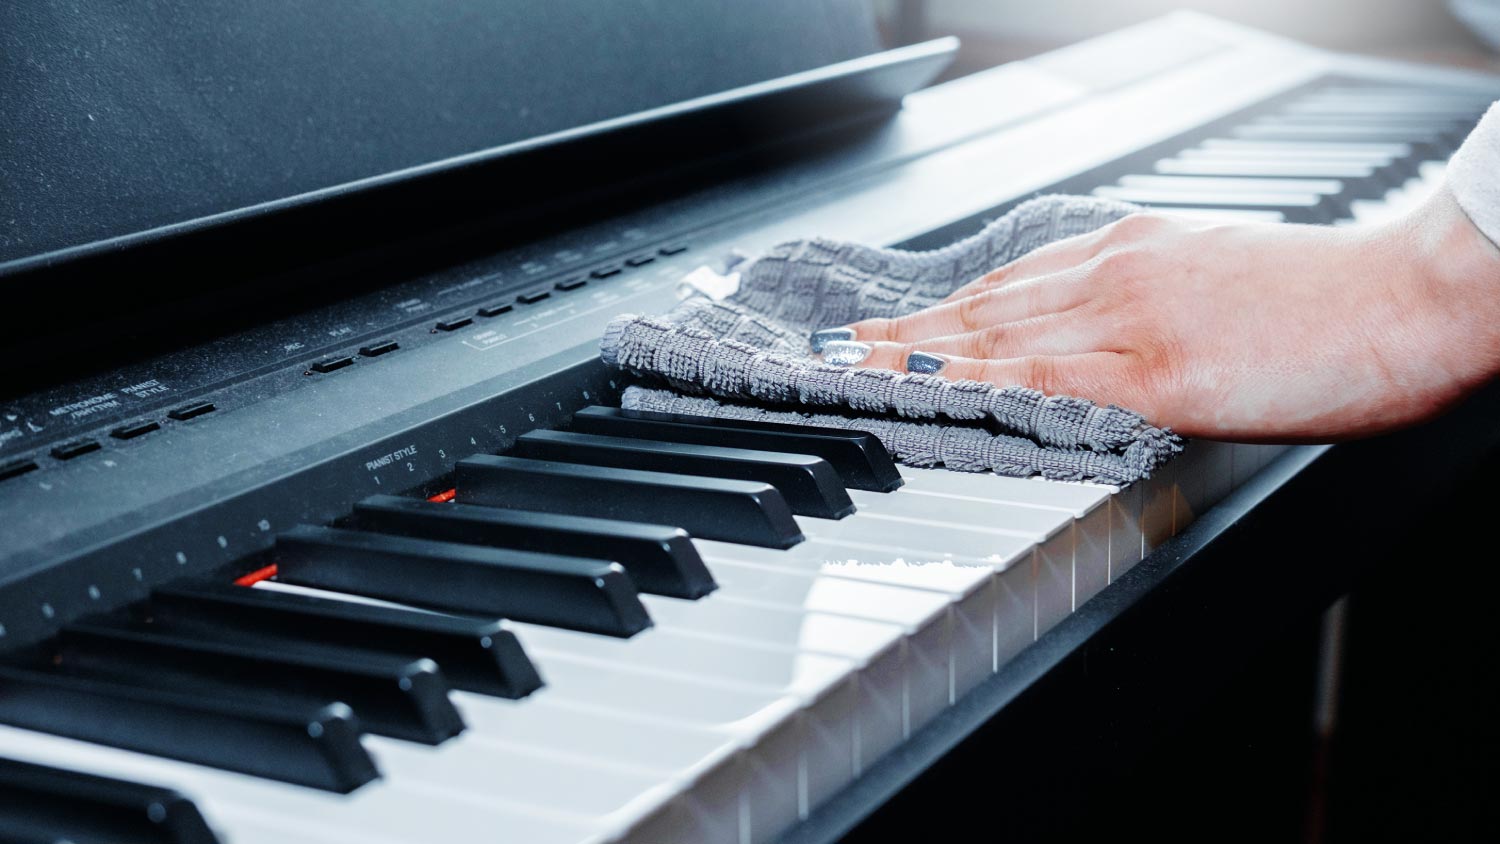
[
  {"x": 641, "y": 629},
  {"x": 728, "y": 719}
]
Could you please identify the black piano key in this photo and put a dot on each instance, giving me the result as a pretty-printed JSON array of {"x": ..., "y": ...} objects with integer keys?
[
  {"x": 659, "y": 559},
  {"x": 808, "y": 483},
  {"x": 315, "y": 746},
  {"x": 588, "y": 595},
  {"x": 859, "y": 457},
  {"x": 396, "y": 697},
  {"x": 474, "y": 654},
  {"x": 39, "y": 803},
  {"x": 746, "y": 512}
]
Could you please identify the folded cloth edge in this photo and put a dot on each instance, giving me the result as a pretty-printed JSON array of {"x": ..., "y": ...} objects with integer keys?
[{"x": 962, "y": 448}]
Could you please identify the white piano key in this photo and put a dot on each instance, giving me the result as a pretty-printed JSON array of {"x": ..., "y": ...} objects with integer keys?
[
  {"x": 970, "y": 587},
  {"x": 1270, "y": 165},
  {"x": 761, "y": 785},
  {"x": 876, "y": 649},
  {"x": 974, "y": 514},
  {"x": 393, "y": 809},
  {"x": 1125, "y": 537},
  {"x": 995, "y": 532},
  {"x": 1158, "y": 507},
  {"x": 676, "y": 751},
  {"x": 487, "y": 774},
  {"x": 1327, "y": 187},
  {"x": 825, "y": 687},
  {"x": 1202, "y": 479},
  {"x": 923, "y": 615},
  {"x": 882, "y": 534},
  {"x": 1050, "y": 531},
  {"x": 1222, "y": 215},
  {"x": 1340, "y": 150},
  {"x": 1092, "y": 526},
  {"x": 1077, "y": 498},
  {"x": 1209, "y": 198},
  {"x": 804, "y": 675}
]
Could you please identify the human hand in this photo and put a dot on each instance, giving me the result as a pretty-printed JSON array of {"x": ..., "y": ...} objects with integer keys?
[{"x": 1255, "y": 332}]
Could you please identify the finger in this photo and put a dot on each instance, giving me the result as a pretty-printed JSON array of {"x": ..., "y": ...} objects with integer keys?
[
  {"x": 1053, "y": 257},
  {"x": 1012, "y": 303},
  {"x": 1098, "y": 376},
  {"x": 1052, "y": 335}
]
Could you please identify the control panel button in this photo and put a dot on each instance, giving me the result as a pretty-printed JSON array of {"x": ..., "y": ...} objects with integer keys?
[
  {"x": 605, "y": 271},
  {"x": 673, "y": 249},
  {"x": 375, "y": 350},
  {"x": 189, "y": 411},
  {"x": 70, "y": 450},
  {"x": 454, "y": 324},
  {"x": 330, "y": 364},
  {"x": 533, "y": 296},
  {"x": 640, "y": 260},
  {"x": 571, "y": 283},
  {"x": 495, "y": 310},
  {"x": 135, "y": 429},
  {"x": 12, "y": 468}
]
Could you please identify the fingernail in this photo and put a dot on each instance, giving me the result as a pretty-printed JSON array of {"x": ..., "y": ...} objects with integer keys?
[
  {"x": 923, "y": 363},
  {"x": 845, "y": 352},
  {"x": 819, "y": 339}
]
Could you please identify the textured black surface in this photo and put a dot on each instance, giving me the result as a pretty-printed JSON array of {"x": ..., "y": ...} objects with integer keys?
[{"x": 123, "y": 116}]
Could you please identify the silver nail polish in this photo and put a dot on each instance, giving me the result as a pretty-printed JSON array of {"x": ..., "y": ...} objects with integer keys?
[
  {"x": 845, "y": 352},
  {"x": 819, "y": 339},
  {"x": 923, "y": 363}
]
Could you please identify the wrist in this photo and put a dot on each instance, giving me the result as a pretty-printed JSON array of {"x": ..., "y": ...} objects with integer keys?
[{"x": 1450, "y": 272}]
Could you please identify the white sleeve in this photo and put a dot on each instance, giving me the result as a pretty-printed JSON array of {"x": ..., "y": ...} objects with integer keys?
[{"x": 1474, "y": 175}]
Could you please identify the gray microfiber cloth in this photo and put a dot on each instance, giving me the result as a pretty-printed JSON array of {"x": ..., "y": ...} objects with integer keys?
[{"x": 751, "y": 349}]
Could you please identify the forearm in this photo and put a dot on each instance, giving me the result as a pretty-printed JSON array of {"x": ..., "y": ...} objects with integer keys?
[{"x": 1443, "y": 277}]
